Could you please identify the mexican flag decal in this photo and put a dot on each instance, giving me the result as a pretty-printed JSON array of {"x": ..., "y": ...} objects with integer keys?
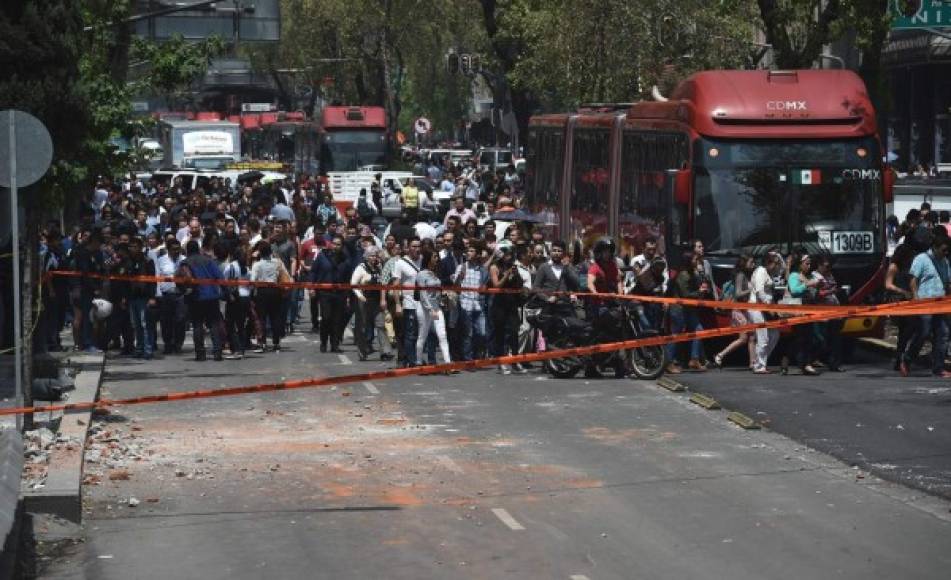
[{"x": 807, "y": 177}]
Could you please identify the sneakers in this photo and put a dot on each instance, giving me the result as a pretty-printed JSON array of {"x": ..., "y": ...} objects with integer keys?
[
  {"x": 943, "y": 375},
  {"x": 386, "y": 357},
  {"x": 505, "y": 370},
  {"x": 519, "y": 369},
  {"x": 260, "y": 349},
  {"x": 234, "y": 356}
]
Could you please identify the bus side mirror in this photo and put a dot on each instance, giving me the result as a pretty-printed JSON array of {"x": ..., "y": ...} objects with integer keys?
[
  {"x": 888, "y": 184},
  {"x": 683, "y": 186}
]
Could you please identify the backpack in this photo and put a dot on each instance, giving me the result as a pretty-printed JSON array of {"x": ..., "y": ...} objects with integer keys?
[
  {"x": 364, "y": 211},
  {"x": 728, "y": 292}
]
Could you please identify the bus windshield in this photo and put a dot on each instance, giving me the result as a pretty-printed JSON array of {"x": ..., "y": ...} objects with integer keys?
[
  {"x": 824, "y": 196},
  {"x": 351, "y": 150}
]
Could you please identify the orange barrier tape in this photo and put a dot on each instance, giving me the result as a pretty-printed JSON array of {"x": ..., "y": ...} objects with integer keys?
[
  {"x": 434, "y": 369},
  {"x": 915, "y": 305}
]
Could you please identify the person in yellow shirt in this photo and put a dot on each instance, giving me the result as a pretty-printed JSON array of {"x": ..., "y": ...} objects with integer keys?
[{"x": 409, "y": 198}]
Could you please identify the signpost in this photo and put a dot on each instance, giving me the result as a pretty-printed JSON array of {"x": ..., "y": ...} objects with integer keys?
[
  {"x": 921, "y": 14},
  {"x": 26, "y": 151}
]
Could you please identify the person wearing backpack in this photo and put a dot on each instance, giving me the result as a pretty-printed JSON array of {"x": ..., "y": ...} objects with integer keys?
[
  {"x": 930, "y": 273},
  {"x": 738, "y": 289},
  {"x": 366, "y": 209}
]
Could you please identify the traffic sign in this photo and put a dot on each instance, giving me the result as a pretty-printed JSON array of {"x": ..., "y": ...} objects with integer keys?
[
  {"x": 422, "y": 126},
  {"x": 26, "y": 151},
  {"x": 911, "y": 14},
  {"x": 25, "y": 141}
]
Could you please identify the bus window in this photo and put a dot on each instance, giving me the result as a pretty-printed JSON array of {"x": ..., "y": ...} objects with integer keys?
[
  {"x": 644, "y": 192},
  {"x": 590, "y": 176},
  {"x": 546, "y": 152}
]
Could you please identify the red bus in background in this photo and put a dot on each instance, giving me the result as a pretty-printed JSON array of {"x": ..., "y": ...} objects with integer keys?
[
  {"x": 745, "y": 161},
  {"x": 352, "y": 138}
]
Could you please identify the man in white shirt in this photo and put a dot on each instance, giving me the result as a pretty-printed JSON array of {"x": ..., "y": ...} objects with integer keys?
[
  {"x": 171, "y": 301},
  {"x": 641, "y": 263},
  {"x": 404, "y": 274}
]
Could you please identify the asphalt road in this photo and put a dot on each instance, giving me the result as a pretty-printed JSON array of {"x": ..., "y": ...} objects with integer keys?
[
  {"x": 899, "y": 429},
  {"x": 473, "y": 476}
]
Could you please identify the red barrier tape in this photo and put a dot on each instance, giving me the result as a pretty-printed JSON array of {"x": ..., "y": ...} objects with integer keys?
[
  {"x": 435, "y": 369},
  {"x": 914, "y": 306}
]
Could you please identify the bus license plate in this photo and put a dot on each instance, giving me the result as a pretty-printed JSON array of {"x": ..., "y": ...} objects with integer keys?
[{"x": 849, "y": 242}]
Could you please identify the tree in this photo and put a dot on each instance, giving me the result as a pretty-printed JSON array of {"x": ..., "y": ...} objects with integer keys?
[
  {"x": 40, "y": 51},
  {"x": 174, "y": 65},
  {"x": 797, "y": 29},
  {"x": 561, "y": 53}
]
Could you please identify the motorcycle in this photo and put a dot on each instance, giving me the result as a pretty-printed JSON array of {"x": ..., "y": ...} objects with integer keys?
[{"x": 615, "y": 323}]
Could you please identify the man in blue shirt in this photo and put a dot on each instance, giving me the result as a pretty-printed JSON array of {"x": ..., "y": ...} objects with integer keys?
[{"x": 930, "y": 275}]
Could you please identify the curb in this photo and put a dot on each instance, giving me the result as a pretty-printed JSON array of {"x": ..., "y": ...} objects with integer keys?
[
  {"x": 878, "y": 345},
  {"x": 62, "y": 494},
  {"x": 11, "y": 512}
]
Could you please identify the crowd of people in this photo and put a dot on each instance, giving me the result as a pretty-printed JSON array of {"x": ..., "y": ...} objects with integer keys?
[{"x": 424, "y": 278}]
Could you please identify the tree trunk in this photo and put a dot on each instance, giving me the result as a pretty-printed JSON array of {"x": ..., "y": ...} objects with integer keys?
[{"x": 389, "y": 94}]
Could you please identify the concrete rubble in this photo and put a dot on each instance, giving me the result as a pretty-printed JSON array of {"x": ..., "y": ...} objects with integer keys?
[
  {"x": 109, "y": 451},
  {"x": 38, "y": 444}
]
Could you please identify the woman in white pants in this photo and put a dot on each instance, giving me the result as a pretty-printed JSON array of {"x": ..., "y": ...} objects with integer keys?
[
  {"x": 429, "y": 311},
  {"x": 761, "y": 292}
]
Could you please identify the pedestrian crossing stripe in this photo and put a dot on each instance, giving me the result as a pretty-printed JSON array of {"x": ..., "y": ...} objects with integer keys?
[{"x": 807, "y": 177}]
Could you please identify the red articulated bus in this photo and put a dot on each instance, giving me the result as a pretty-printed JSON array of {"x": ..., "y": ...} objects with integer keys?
[
  {"x": 746, "y": 161},
  {"x": 352, "y": 138}
]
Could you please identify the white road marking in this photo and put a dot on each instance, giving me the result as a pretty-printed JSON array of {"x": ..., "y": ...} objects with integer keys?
[
  {"x": 449, "y": 464},
  {"x": 578, "y": 577},
  {"x": 373, "y": 390},
  {"x": 344, "y": 360},
  {"x": 507, "y": 519}
]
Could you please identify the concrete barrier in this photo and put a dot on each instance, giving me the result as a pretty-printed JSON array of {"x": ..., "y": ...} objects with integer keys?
[{"x": 11, "y": 507}]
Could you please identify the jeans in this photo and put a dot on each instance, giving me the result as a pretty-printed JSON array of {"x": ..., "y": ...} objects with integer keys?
[
  {"x": 271, "y": 309},
  {"x": 144, "y": 331},
  {"x": 410, "y": 331},
  {"x": 370, "y": 327},
  {"x": 172, "y": 309},
  {"x": 505, "y": 325},
  {"x": 332, "y": 306},
  {"x": 206, "y": 313},
  {"x": 236, "y": 316},
  {"x": 472, "y": 326},
  {"x": 684, "y": 320},
  {"x": 937, "y": 326}
]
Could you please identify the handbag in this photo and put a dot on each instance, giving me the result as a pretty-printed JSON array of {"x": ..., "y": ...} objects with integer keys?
[{"x": 283, "y": 276}]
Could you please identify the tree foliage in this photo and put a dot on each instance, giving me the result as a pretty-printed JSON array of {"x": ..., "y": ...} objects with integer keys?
[
  {"x": 173, "y": 65},
  {"x": 799, "y": 29}
]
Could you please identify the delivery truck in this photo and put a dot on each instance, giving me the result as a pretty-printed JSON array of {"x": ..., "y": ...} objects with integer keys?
[{"x": 200, "y": 144}]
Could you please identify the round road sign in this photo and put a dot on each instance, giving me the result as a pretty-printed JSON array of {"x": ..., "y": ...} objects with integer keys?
[
  {"x": 422, "y": 126},
  {"x": 32, "y": 148}
]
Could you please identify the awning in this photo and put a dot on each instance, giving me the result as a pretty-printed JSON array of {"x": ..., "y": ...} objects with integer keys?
[{"x": 916, "y": 47}]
